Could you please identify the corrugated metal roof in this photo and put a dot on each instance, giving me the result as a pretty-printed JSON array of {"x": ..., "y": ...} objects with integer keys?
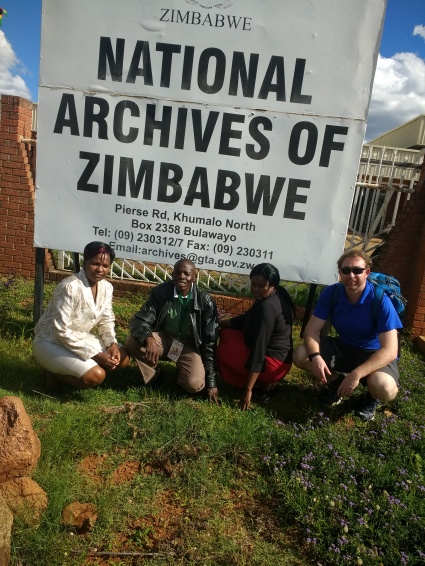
[{"x": 409, "y": 135}]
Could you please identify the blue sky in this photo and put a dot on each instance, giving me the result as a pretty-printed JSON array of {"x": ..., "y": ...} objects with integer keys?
[{"x": 399, "y": 87}]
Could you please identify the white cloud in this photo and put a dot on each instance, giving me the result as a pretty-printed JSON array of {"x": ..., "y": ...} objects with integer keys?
[
  {"x": 10, "y": 82},
  {"x": 419, "y": 30},
  {"x": 398, "y": 93}
]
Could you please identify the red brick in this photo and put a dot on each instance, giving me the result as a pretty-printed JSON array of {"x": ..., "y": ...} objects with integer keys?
[
  {"x": 11, "y": 191},
  {"x": 17, "y": 197},
  {"x": 12, "y": 206},
  {"x": 11, "y": 136},
  {"x": 19, "y": 158},
  {"x": 28, "y": 208},
  {"x": 16, "y": 240},
  {"x": 19, "y": 215},
  {"x": 8, "y": 166},
  {"x": 8, "y": 232},
  {"x": 17, "y": 171},
  {"x": 21, "y": 187}
]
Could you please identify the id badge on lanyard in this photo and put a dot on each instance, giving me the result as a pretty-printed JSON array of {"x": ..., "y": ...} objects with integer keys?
[
  {"x": 175, "y": 350},
  {"x": 177, "y": 346}
]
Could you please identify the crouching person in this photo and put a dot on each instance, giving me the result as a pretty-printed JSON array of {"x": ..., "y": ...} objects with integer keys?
[
  {"x": 65, "y": 343},
  {"x": 365, "y": 351},
  {"x": 178, "y": 322}
]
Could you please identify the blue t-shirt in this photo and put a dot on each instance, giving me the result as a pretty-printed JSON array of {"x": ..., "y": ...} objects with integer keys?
[{"x": 354, "y": 323}]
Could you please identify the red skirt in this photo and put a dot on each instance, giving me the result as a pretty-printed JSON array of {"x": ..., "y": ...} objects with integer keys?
[{"x": 232, "y": 355}]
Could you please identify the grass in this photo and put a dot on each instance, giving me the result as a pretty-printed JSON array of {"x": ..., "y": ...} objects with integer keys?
[{"x": 178, "y": 481}]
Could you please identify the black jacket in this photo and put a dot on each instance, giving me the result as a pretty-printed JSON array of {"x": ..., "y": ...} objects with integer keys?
[{"x": 203, "y": 319}]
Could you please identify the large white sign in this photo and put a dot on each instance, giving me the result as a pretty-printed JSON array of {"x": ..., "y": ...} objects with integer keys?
[{"x": 225, "y": 132}]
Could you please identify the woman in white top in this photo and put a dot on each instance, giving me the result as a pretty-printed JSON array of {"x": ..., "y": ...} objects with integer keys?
[{"x": 63, "y": 343}]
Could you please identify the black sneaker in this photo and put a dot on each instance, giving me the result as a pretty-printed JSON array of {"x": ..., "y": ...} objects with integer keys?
[
  {"x": 368, "y": 408},
  {"x": 331, "y": 391}
]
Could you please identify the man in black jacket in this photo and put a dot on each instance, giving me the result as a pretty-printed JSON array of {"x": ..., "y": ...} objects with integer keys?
[{"x": 178, "y": 322}]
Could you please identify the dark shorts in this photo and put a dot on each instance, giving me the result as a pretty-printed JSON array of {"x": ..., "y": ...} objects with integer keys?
[{"x": 342, "y": 358}]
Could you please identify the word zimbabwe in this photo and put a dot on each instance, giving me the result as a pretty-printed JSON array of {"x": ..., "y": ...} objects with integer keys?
[{"x": 226, "y": 194}]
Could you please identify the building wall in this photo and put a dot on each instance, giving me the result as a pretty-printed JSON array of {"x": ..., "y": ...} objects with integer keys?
[{"x": 17, "y": 168}]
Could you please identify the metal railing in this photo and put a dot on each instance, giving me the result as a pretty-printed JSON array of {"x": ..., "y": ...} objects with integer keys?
[
  {"x": 211, "y": 281},
  {"x": 385, "y": 180},
  {"x": 131, "y": 270}
]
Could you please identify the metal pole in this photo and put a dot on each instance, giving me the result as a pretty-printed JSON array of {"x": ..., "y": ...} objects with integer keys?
[
  {"x": 309, "y": 305},
  {"x": 38, "y": 284},
  {"x": 76, "y": 262}
]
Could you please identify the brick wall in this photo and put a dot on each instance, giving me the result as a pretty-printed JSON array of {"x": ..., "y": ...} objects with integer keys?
[
  {"x": 17, "y": 166},
  {"x": 403, "y": 256}
]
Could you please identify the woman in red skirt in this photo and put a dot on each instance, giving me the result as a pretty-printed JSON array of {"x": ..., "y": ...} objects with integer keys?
[{"x": 255, "y": 348}]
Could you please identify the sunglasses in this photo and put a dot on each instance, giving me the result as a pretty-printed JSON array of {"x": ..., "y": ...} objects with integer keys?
[{"x": 355, "y": 270}]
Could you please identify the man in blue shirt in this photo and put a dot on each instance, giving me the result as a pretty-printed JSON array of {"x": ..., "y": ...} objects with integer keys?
[{"x": 365, "y": 350}]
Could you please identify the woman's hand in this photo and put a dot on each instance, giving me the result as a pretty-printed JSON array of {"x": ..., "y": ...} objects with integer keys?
[
  {"x": 245, "y": 400},
  {"x": 114, "y": 352},
  {"x": 106, "y": 361}
]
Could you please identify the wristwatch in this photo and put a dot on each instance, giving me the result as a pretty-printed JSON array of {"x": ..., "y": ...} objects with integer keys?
[{"x": 311, "y": 356}]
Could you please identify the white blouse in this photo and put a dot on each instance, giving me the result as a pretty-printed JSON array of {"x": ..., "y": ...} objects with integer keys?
[{"x": 72, "y": 314}]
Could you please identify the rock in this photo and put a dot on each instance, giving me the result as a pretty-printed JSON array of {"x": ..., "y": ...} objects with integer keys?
[
  {"x": 19, "y": 445},
  {"x": 82, "y": 516},
  {"x": 5, "y": 532},
  {"x": 24, "y": 497}
]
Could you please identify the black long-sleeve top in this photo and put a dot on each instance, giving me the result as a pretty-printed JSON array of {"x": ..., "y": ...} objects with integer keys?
[{"x": 267, "y": 331}]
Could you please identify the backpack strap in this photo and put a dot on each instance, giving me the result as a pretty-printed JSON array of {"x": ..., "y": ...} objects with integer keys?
[
  {"x": 376, "y": 303},
  {"x": 377, "y": 300}
]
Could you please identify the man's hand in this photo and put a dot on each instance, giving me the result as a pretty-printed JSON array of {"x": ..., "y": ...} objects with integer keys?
[
  {"x": 320, "y": 370},
  {"x": 245, "y": 400},
  {"x": 348, "y": 385},
  {"x": 213, "y": 395},
  {"x": 152, "y": 351}
]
